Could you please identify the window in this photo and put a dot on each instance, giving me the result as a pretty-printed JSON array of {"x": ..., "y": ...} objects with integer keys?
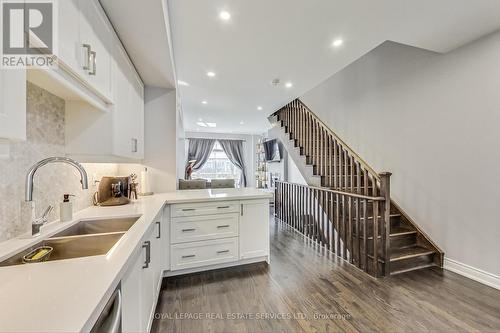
[{"x": 218, "y": 166}]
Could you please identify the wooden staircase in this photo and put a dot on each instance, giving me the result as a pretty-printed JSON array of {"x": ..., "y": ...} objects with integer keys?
[{"x": 343, "y": 196}]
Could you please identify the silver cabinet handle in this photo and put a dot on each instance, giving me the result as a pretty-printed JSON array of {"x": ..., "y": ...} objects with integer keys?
[
  {"x": 134, "y": 145},
  {"x": 188, "y": 256},
  {"x": 159, "y": 230},
  {"x": 223, "y": 226},
  {"x": 223, "y": 251},
  {"x": 223, "y": 207},
  {"x": 188, "y": 210},
  {"x": 86, "y": 66},
  {"x": 147, "y": 246},
  {"x": 187, "y": 230},
  {"x": 93, "y": 55}
]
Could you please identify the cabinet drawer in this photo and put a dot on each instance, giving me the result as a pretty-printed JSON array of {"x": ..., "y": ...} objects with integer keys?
[
  {"x": 198, "y": 254},
  {"x": 197, "y": 228},
  {"x": 205, "y": 208}
]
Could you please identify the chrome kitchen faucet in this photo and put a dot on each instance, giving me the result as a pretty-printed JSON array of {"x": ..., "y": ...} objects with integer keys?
[{"x": 37, "y": 223}]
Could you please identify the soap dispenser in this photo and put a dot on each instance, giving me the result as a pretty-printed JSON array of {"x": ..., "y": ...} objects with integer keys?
[{"x": 66, "y": 210}]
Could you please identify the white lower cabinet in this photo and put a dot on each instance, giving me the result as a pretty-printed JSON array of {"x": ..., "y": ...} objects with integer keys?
[
  {"x": 141, "y": 283},
  {"x": 212, "y": 233},
  {"x": 254, "y": 229},
  {"x": 204, "y": 253}
]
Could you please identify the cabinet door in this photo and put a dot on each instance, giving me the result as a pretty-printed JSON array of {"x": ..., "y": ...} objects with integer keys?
[
  {"x": 128, "y": 108},
  {"x": 122, "y": 109},
  {"x": 147, "y": 281},
  {"x": 131, "y": 291},
  {"x": 70, "y": 49},
  {"x": 96, "y": 31},
  {"x": 254, "y": 229},
  {"x": 138, "y": 116},
  {"x": 13, "y": 104}
]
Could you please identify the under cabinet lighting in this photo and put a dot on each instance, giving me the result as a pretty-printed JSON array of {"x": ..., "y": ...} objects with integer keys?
[{"x": 289, "y": 84}]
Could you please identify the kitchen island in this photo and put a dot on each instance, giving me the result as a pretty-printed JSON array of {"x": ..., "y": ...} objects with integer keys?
[{"x": 175, "y": 233}]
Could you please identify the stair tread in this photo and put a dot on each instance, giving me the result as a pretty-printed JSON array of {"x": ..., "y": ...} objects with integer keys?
[
  {"x": 401, "y": 230},
  {"x": 414, "y": 268},
  {"x": 409, "y": 252},
  {"x": 395, "y": 231}
]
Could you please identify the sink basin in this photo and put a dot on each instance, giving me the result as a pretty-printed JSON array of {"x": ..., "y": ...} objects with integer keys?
[
  {"x": 71, "y": 247},
  {"x": 98, "y": 227}
]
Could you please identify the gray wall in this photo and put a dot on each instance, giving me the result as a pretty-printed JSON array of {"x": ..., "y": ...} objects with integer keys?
[{"x": 433, "y": 120}]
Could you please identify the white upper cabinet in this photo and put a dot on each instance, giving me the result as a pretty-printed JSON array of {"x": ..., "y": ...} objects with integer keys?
[
  {"x": 99, "y": 57},
  {"x": 69, "y": 46},
  {"x": 128, "y": 108},
  {"x": 85, "y": 42},
  {"x": 12, "y": 104},
  {"x": 96, "y": 36}
]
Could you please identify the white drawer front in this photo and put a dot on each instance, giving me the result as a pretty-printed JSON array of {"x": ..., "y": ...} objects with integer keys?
[
  {"x": 197, "y": 228},
  {"x": 205, "y": 208},
  {"x": 198, "y": 254}
]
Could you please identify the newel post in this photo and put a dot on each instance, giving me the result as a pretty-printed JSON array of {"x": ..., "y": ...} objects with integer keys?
[{"x": 385, "y": 191}]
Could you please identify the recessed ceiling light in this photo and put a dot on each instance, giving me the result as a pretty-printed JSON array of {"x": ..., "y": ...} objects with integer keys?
[
  {"x": 337, "y": 42},
  {"x": 210, "y": 74},
  {"x": 224, "y": 15},
  {"x": 201, "y": 124},
  {"x": 200, "y": 119},
  {"x": 259, "y": 108},
  {"x": 212, "y": 125},
  {"x": 183, "y": 83},
  {"x": 204, "y": 102},
  {"x": 242, "y": 122},
  {"x": 289, "y": 84}
]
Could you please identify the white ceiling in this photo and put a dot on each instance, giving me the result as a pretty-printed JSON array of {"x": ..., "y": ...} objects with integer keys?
[
  {"x": 142, "y": 28},
  {"x": 291, "y": 40}
]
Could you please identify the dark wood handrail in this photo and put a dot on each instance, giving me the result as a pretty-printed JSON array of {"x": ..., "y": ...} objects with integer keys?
[{"x": 349, "y": 194}]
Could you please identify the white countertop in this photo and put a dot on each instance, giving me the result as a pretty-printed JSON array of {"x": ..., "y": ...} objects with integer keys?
[{"x": 67, "y": 295}]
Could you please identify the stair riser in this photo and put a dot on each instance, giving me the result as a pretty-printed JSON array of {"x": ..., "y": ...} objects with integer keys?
[{"x": 403, "y": 241}]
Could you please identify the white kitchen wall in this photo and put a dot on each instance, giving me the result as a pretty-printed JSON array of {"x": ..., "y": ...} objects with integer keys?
[
  {"x": 45, "y": 138},
  {"x": 249, "y": 146},
  {"x": 433, "y": 120}
]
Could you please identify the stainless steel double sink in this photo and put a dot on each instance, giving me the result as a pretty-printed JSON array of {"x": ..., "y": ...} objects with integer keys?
[{"x": 83, "y": 239}]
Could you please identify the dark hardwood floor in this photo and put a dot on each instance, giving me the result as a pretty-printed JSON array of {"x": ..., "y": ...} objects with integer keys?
[{"x": 305, "y": 289}]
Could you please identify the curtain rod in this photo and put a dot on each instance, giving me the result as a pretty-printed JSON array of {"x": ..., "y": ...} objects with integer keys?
[{"x": 194, "y": 137}]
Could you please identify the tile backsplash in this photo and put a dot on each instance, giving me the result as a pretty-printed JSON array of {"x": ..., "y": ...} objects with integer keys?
[{"x": 45, "y": 138}]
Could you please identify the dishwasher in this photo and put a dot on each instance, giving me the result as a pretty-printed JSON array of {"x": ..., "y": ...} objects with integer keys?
[{"x": 111, "y": 316}]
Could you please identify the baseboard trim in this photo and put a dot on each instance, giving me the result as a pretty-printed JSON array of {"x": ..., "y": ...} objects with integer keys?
[{"x": 472, "y": 273}]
